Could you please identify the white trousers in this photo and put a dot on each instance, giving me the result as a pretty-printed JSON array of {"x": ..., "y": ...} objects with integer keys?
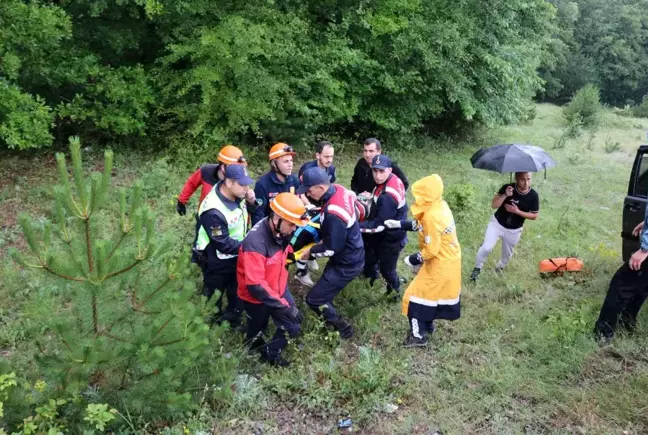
[{"x": 494, "y": 232}]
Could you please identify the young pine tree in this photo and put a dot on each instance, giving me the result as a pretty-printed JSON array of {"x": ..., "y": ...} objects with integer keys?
[{"x": 126, "y": 332}]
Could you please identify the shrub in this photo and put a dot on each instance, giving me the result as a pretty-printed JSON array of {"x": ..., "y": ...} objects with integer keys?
[
  {"x": 461, "y": 199},
  {"x": 584, "y": 108}
]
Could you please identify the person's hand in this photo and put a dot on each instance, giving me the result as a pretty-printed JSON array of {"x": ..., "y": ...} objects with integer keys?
[
  {"x": 637, "y": 259},
  {"x": 181, "y": 208},
  {"x": 391, "y": 224},
  {"x": 304, "y": 199},
  {"x": 511, "y": 208},
  {"x": 637, "y": 229},
  {"x": 250, "y": 196},
  {"x": 292, "y": 313},
  {"x": 304, "y": 254},
  {"x": 509, "y": 191},
  {"x": 379, "y": 229}
]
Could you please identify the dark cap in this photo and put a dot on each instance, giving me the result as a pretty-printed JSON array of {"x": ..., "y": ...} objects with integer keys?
[
  {"x": 381, "y": 161},
  {"x": 312, "y": 177},
  {"x": 239, "y": 174}
]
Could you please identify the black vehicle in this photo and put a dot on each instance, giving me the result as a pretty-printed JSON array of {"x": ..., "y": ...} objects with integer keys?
[{"x": 634, "y": 206}]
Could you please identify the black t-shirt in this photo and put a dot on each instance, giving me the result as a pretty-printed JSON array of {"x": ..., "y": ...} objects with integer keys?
[{"x": 527, "y": 202}]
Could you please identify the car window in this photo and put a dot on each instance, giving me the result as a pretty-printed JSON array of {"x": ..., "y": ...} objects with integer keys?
[{"x": 641, "y": 185}]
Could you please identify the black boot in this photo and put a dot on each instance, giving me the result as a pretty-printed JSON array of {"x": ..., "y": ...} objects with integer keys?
[
  {"x": 475, "y": 274},
  {"x": 273, "y": 360},
  {"x": 255, "y": 344},
  {"x": 412, "y": 341},
  {"x": 345, "y": 330}
]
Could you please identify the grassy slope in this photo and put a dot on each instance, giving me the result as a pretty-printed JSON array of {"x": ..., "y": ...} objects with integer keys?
[{"x": 520, "y": 360}]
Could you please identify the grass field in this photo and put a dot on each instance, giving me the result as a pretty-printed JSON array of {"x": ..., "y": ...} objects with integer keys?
[{"x": 520, "y": 360}]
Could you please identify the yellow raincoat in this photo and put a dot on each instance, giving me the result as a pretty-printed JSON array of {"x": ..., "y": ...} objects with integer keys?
[{"x": 434, "y": 292}]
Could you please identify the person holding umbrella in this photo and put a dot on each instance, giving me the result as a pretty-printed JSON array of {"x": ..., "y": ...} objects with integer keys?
[{"x": 514, "y": 202}]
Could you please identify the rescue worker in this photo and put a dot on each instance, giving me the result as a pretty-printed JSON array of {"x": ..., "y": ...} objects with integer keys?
[
  {"x": 341, "y": 244},
  {"x": 263, "y": 277},
  {"x": 627, "y": 292},
  {"x": 435, "y": 291},
  {"x": 223, "y": 216},
  {"x": 382, "y": 248},
  {"x": 362, "y": 182},
  {"x": 324, "y": 154},
  {"x": 279, "y": 179},
  {"x": 208, "y": 175}
]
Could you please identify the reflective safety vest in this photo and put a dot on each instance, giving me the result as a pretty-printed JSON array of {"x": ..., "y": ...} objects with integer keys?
[
  {"x": 237, "y": 221},
  {"x": 393, "y": 187}
]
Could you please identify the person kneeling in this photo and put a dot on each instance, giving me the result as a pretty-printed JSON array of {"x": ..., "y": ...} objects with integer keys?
[{"x": 263, "y": 278}]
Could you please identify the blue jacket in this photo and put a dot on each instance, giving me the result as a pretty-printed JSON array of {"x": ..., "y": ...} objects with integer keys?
[
  {"x": 313, "y": 164},
  {"x": 386, "y": 208},
  {"x": 266, "y": 188},
  {"x": 341, "y": 241}
]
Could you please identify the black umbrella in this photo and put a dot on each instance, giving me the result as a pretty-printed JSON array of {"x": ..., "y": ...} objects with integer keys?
[{"x": 512, "y": 158}]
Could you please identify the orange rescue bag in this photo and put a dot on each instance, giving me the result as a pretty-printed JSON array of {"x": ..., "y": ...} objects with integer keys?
[{"x": 557, "y": 265}]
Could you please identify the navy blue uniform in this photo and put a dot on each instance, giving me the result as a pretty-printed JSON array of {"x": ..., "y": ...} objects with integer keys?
[
  {"x": 313, "y": 164},
  {"x": 383, "y": 249},
  {"x": 266, "y": 188},
  {"x": 342, "y": 244}
]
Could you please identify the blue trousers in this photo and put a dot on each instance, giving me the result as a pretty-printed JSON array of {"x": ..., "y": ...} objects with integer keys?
[{"x": 333, "y": 280}]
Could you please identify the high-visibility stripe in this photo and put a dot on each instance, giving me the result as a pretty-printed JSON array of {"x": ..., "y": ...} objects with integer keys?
[
  {"x": 430, "y": 303},
  {"x": 400, "y": 199},
  {"x": 287, "y": 212},
  {"x": 229, "y": 159},
  {"x": 278, "y": 153},
  {"x": 343, "y": 214}
]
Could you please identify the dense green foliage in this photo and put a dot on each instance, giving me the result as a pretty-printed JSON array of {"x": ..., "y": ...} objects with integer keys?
[
  {"x": 599, "y": 42},
  {"x": 206, "y": 72}
]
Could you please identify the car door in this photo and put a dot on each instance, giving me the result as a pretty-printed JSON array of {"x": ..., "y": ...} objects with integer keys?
[{"x": 634, "y": 206}]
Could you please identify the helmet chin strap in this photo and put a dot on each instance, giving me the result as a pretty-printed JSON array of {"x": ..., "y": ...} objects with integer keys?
[
  {"x": 276, "y": 169},
  {"x": 276, "y": 227}
]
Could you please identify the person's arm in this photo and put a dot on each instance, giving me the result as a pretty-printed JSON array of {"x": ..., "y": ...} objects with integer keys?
[
  {"x": 386, "y": 209},
  {"x": 254, "y": 278},
  {"x": 499, "y": 198},
  {"x": 354, "y": 180},
  {"x": 215, "y": 225},
  {"x": 192, "y": 184},
  {"x": 431, "y": 242},
  {"x": 531, "y": 214},
  {"x": 259, "y": 211},
  {"x": 400, "y": 174},
  {"x": 333, "y": 232}
]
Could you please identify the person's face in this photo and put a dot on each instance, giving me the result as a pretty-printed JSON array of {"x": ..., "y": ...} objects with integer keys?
[
  {"x": 237, "y": 190},
  {"x": 380, "y": 175},
  {"x": 325, "y": 158},
  {"x": 287, "y": 228},
  {"x": 284, "y": 164},
  {"x": 369, "y": 151},
  {"x": 523, "y": 180},
  {"x": 317, "y": 192}
]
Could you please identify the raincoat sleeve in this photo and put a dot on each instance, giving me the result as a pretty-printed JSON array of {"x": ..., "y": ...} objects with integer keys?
[{"x": 431, "y": 242}]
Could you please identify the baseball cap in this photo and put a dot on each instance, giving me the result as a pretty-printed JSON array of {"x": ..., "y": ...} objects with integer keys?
[
  {"x": 239, "y": 174},
  {"x": 312, "y": 177},
  {"x": 381, "y": 161}
]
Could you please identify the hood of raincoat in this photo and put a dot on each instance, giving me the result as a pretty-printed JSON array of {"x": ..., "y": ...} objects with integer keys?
[{"x": 426, "y": 192}]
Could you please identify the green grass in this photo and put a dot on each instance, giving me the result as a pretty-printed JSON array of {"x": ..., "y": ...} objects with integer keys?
[{"x": 520, "y": 359}]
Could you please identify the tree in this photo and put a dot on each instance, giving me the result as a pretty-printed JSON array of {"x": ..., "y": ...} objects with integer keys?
[{"x": 128, "y": 330}]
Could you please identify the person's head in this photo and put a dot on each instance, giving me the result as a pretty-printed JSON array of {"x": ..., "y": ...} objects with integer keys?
[
  {"x": 315, "y": 183},
  {"x": 324, "y": 153},
  {"x": 370, "y": 148},
  {"x": 229, "y": 155},
  {"x": 281, "y": 158},
  {"x": 523, "y": 180},
  {"x": 287, "y": 213},
  {"x": 237, "y": 181},
  {"x": 381, "y": 167}
]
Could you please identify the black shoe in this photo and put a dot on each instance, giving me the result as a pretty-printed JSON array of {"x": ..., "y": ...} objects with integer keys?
[
  {"x": 499, "y": 271},
  {"x": 277, "y": 361},
  {"x": 475, "y": 274},
  {"x": 392, "y": 295},
  {"x": 255, "y": 345},
  {"x": 372, "y": 281},
  {"x": 412, "y": 341},
  {"x": 345, "y": 330}
]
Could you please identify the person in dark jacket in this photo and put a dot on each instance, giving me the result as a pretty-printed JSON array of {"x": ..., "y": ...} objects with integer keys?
[
  {"x": 263, "y": 277},
  {"x": 362, "y": 181},
  {"x": 223, "y": 218},
  {"x": 341, "y": 244},
  {"x": 279, "y": 179},
  {"x": 382, "y": 248},
  {"x": 324, "y": 154}
]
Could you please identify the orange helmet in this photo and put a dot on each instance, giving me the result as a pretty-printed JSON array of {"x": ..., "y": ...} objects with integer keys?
[
  {"x": 279, "y": 150},
  {"x": 288, "y": 206},
  {"x": 231, "y": 155}
]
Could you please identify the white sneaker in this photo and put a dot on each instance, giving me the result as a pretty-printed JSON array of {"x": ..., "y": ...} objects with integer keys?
[
  {"x": 312, "y": 265},
  {"x": 305, "y": 280}
]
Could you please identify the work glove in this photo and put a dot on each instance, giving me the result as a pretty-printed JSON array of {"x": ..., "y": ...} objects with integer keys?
[
  {"x": 181, "y": 208},
  {"x": 378, "y": 229},
  {"x": 392, "y": 224},
  {"x": 293, "y": 314}
]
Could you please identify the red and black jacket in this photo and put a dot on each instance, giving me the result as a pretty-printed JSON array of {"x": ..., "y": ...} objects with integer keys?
[
  {"x": 205, "y": 176},
  {"x": 261, "y": 270}
]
